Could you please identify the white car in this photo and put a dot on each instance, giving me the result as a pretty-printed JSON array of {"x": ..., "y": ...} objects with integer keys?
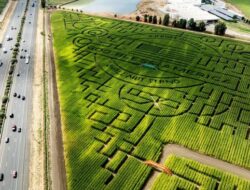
[
  {"x": 7, "y": 139},
  {"x": 4, "y": 50}
]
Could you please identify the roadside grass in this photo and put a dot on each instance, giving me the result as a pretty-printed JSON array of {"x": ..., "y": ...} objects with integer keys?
[
  {"x": 2, "y": 5},
  {"x": 127, "y": 89},
  {"x": 60, "y": 2},
  {"x": 241, "y": 27}
]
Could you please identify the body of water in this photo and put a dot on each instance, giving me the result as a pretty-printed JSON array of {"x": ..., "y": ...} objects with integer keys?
[{"x": 105, "y": 6}]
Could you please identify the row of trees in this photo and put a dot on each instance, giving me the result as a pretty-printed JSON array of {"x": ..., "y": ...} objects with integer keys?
[
  {"x": 247, "y": 21},
  {"x": 182, "y": 23},
  {"x": 220, "y": 28}
]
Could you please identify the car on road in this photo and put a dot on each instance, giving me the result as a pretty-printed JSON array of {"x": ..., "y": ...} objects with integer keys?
[
  {"x": 19, "y": 96},
  {"x": 27, "y": 59},
  {"x": 4, "y": 50},
  {"x": 23, "y": 98},
  {"x": 1, "y": 63},
  {"x": 9, "y": 38},
  {"x": 11, "y": 115},
  {"x": 14, "y": 128},
  {"x": 7, "y": 139},
  {"x": 19, "y": 130},
  {"x": 14, "y": 174},
  {"x": 15, "y": 94},
  {"x": 1, "y": 177},
  {"x": 18, "y": 74}
]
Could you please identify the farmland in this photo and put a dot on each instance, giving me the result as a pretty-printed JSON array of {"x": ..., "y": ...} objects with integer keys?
[
  {"x": 2, "y": 5},
  {"x": 128, "y": 89}
]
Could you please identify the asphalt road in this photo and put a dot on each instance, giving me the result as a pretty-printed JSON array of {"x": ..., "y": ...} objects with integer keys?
[{"x": 14, "y": 156}]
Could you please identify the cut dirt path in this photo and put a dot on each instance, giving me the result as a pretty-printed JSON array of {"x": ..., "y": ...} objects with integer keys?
[
  {"x": 36, "y": 169},
  {"x": 57, "y": 162},
  {"x": 181, "y": 151}
]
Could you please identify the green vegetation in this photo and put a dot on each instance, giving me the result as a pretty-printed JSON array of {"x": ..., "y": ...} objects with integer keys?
[
  {"x": 243, "y": 5},
  {"x": 127, "y": 89},
  {"x": 220, "y": 28},
  {"x": 61, "y": 2},
  {"x": 2, "y": 5},
  {"x": 239, "y": 27},
  {"x": 190, "y": 175}
]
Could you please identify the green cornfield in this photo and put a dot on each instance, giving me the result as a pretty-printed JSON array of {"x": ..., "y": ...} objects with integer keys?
[{"x": 127, "y": 90}]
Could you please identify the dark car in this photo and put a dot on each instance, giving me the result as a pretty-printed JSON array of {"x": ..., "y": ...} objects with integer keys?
[
  {"x": 11, "y": 115},
  {"x": 14, "y": 128},
  {"x": 19, "y": 130},
  {"x": 14, "y": 174},
  {"x": 18, "y": 74},
  {"x": 1, "y": 177},
  {"x": 19, "y": 96},
  {"x": 15, "y": 94},
  {"x": 23, "y": 98}
]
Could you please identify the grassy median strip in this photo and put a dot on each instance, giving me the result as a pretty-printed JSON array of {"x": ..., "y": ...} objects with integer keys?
[{"x": 13, "y": 63}]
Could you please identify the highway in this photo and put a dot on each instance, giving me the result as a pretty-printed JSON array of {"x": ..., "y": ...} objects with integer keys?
[{"x": 14, "y": 155}]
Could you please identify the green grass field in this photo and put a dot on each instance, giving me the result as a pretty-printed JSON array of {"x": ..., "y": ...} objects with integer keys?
[
  {"x": 243, "y": 5},
  {"x": 127, "y": 89},
  {"x": 2, "y": 5},
  {"x": 59, "y": 2}
]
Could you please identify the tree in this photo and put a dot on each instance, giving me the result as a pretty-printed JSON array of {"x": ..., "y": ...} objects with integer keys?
[
  {"x": 220, "y": 28},
  {"x": 174, "y": 23},
  {"x": 201, "y": 26},
  {"x": 150, "y": 19},
  {"x": 155, "y": 20},
  {"x": 166, "y": 20},
  {"x": 160, "y": 21},
  {"x": 182, "y": 23},
  {"x": 145, "y": 18},
  {"x": 43, "y": 3},
  {"x": 191, "y": 24},
  {"x": 137, "y": 18}
]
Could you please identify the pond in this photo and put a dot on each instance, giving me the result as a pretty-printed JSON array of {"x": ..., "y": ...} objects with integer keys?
[{"x": 105, "y": 6}]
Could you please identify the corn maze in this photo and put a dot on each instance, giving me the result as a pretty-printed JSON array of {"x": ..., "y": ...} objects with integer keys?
[{"x": 127, "y": 89}]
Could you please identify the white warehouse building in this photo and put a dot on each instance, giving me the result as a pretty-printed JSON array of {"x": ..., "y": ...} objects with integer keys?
[{"x": 187, "y": 9}]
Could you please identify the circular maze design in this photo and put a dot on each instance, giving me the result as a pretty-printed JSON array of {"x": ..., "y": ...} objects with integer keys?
[{"x": 94, "y": 32}]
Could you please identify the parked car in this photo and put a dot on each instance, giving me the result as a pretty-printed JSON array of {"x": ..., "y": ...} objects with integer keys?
[
  {"x": 14, "y": 174},
  {"x": 1, "y": 177}
]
